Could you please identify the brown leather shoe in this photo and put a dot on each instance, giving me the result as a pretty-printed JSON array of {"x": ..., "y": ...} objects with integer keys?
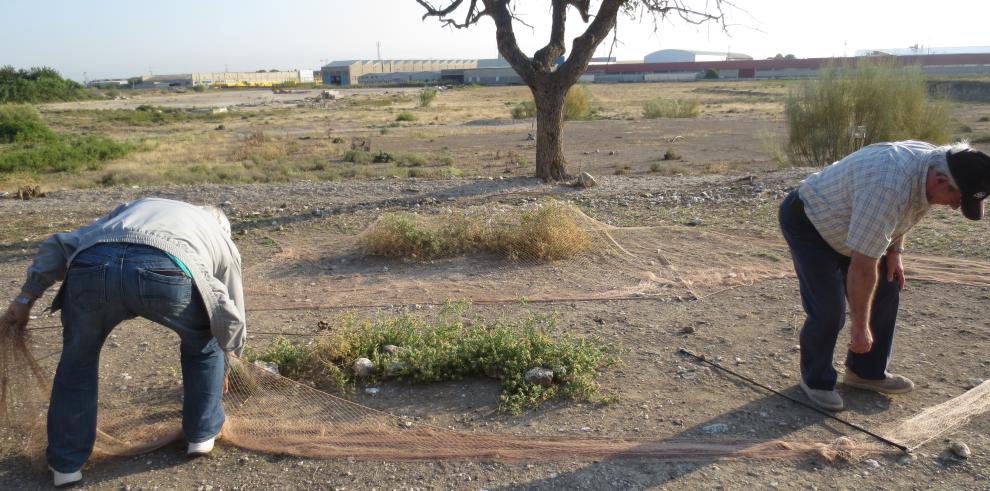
[{"x": 893, "y": 384}]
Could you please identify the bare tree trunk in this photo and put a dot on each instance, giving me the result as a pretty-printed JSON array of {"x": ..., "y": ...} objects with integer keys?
[{"x": 550, "y": 163}]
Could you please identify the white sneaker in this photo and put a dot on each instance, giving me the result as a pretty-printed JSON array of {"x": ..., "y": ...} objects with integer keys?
[
  {"x": 201, "y": 448},
  {"x": 65, "y": 478}
]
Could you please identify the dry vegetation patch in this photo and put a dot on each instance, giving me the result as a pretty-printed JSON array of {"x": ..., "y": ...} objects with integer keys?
[{"x": 545, "y": 233}]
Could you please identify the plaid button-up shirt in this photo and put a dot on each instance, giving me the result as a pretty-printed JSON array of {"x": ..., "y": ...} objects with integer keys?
[{"x": 872, "y": 196}]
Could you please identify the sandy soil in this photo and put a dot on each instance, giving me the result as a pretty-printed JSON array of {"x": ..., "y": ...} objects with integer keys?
[
  {"x": 294, "y": 239},
  {"x": 941, "y": 346}
]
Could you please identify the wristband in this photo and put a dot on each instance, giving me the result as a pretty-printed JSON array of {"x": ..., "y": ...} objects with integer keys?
[{"x": 897, "y": 249}]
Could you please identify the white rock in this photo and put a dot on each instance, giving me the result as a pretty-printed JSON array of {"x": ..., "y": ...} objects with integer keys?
[
  {"x": 363, "y": 367},
  {"x": 960, "y": 449},
  {"x": 268, "y": 366},
  {"x": 715, "y": 428}
]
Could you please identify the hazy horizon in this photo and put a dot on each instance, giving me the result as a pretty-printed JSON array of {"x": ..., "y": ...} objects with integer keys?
[{"x": 117, "y": 39}]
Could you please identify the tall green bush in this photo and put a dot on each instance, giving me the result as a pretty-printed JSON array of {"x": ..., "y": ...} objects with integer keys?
[
  {"x": 852, "y": 106},
  {"x": 426, "y": 96},
  {"x": 37, "y": 85},
  {"x": 21, "y": 122},
  {"x": 28, "y": 145}
]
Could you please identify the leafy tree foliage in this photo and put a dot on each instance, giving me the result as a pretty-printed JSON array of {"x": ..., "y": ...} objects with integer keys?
[{"x": 42, "y": 84}]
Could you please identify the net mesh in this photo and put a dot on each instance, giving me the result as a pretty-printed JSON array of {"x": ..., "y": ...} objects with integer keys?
[{"x": 269, "y": 413}]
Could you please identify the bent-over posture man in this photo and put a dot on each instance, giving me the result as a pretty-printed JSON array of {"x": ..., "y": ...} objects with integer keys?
[
  {"x": 167, "y": 261},
  {"x": 846, "y": 228}
]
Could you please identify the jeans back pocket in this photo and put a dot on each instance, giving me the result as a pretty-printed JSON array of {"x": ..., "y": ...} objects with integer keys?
[
  {"x": 86, "y": 287},
  {"x": 164, "y": 288}
]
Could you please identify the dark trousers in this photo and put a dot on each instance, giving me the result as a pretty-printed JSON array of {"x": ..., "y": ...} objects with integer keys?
[{"x": 822, "y": 275}]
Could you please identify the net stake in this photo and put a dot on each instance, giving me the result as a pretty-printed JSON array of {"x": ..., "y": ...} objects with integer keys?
[{"x": 817, "y": 409}]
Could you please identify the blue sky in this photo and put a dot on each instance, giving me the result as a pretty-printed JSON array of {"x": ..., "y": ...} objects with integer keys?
[{"x": 114, "y": 38}]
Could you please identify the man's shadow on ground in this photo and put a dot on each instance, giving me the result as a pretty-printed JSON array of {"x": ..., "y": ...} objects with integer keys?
[{"x": 640, "y": 472}]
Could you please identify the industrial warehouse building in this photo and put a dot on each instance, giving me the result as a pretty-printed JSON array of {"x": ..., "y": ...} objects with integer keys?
[
  {"x": 687, "y": 55},
  {"x": 349, "y": 72},
  {"x": 227, "y": 79},
  {"x": 974, "y": 64},
  {"x": 252, "y": 79}
]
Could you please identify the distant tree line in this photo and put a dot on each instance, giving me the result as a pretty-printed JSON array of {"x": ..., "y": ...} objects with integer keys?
[{"x": 42, "y": 84}]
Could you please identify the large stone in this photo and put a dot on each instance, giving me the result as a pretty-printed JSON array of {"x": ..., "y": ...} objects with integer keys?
[
  {"x": 960, "y": 449},
  {"x": 586, "y": 180},
  {"x": 539, "y": 376},
  {"x": 268, "y": 366},
  {"x": 363, "y": 367}
]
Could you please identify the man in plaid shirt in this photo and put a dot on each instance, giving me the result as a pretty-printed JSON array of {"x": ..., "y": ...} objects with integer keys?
[{"x": 845, "y": 227}]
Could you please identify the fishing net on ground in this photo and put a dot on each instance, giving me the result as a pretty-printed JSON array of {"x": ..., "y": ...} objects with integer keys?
[{"x": 583, "y": 259}]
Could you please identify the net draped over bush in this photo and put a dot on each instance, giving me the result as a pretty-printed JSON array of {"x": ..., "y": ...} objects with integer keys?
[
  {"x": 849, "y": 107},
  {"x": 545, "y": 233}
]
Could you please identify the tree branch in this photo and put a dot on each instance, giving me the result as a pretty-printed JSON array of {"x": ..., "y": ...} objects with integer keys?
[
  {"x": 505, "y": 38},
  {"x": 472, "y": 16},
  {"x": 584, "y": 45},
  {"x": 543, "y": 58}
]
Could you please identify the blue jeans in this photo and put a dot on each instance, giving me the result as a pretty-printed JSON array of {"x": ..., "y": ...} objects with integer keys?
[
  {"x": 105, "y": 285},
  {"x": 822, "y": 274}
]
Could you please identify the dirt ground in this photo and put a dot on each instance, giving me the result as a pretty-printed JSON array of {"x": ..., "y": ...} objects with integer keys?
[{"x": 753, "y": 329}]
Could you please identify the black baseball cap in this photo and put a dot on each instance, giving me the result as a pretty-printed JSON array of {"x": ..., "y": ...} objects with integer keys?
[{"x": 970, "y": 169}]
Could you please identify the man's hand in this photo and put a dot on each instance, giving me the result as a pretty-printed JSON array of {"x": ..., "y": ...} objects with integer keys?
[
  {"x": 861, "y": 339},
  {"x": 226, "y": 385},
  {"x": 895, "y": 269},
  {"x": 16, "y": 317}
]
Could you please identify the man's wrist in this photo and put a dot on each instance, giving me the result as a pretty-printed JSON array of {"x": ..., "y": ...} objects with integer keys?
[
  {"x": 24, "y": 299},
  {"x": 896, "y": 248}
]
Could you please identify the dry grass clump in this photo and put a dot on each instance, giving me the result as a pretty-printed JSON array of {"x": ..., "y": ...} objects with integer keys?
[
  {"x": 671, "y": 108},
  {"x": 546, "y": 233},
  {"x": 260, "y": 146}
]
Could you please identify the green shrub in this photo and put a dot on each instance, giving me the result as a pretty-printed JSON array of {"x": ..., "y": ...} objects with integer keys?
[
  {"x": 21, "y": 122},
  {"x": 983, "y": 119},
  {"x": 38, "y": 85},
  {"x": 358, "y": 156},
  {"x": 671, "y": 108},
  {"x": 710, "y": 74},
  {"x": 426, "y": 96},
  {"x": 671, "y": 154},
  {"x": 450, "y": 348},
  {"x": 293, "y": 361},
  {"x": 965, "y": 129},
  {"x": 148, "y": 115},
  {"x": 885, "y": 101},
  {"x": 405, "y": 116},
  {"x": 63, "y": 153},
  {"x": 199, "y": 88},
  {"x": 577, "y": 103},
  {"x": 523, "y": 110}
]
